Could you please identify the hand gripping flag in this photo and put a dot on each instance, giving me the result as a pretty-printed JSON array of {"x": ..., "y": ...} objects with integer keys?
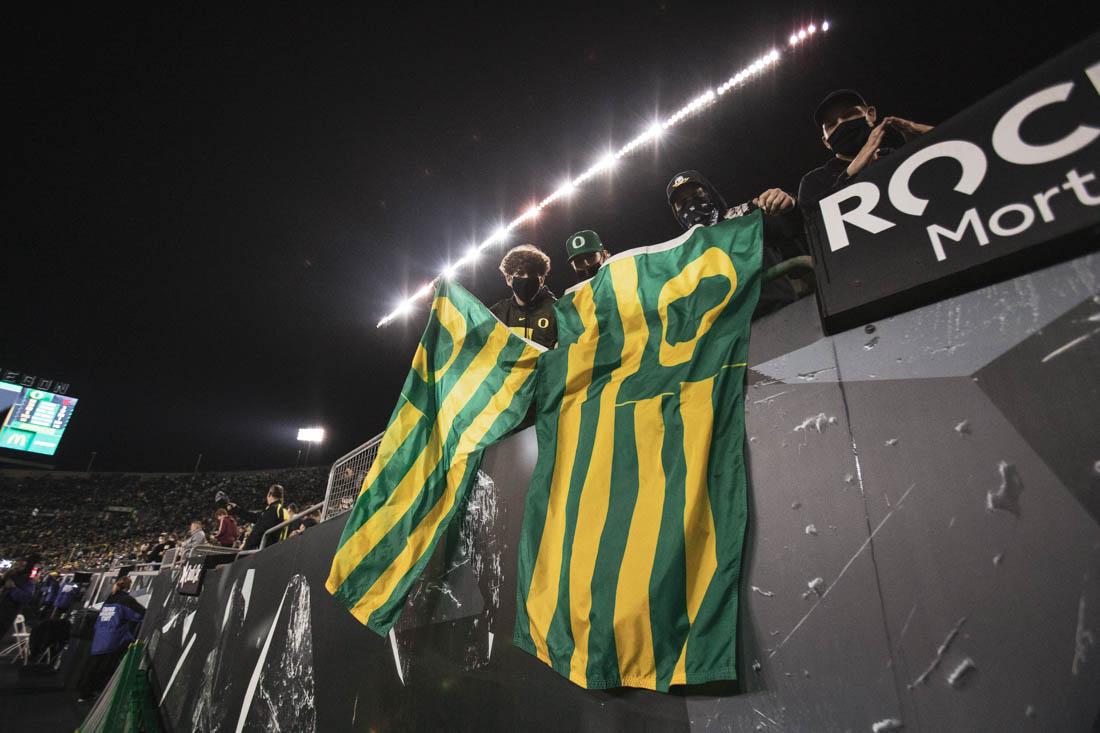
[
  {"x": 632, "y": 533},
  {"x": 471, "y": 383}
]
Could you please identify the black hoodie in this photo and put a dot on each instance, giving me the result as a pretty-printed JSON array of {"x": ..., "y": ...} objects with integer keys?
[
  {"x": 534, "y": 321},
  {"x": 783, "y": 239}
]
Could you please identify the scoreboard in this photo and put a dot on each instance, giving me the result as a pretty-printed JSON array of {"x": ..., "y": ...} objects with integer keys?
[{"x": 35, "y": 419}]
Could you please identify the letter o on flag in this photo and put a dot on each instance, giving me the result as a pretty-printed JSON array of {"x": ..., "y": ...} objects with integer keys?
[
  {"x": 712, "y": 262},
  {"x": 453, "y": 322}
]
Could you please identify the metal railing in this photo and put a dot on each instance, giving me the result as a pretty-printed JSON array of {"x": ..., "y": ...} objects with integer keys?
[
  {"x": 802, "y": 262},
  {"x": 286, "y": 523},
  {"x": 186, "y": 553},
  {"x": 345, "y": 478}
]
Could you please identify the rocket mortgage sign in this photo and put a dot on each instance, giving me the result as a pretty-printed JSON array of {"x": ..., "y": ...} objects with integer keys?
[{"x": 1008, "y": 185}]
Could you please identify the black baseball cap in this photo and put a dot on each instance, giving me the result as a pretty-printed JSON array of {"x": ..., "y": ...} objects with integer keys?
[
  {"x": 682, "y": 179},
  {"x": 838, "y": 96}
]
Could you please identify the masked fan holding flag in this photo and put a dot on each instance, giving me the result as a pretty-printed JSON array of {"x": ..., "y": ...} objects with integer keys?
[
  {"x": 694, "y": 200},
  {"x": 529, "y": 311}
]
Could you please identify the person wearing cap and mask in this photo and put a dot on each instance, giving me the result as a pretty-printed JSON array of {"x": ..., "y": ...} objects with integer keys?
[
  {"x": 529, "y": 312},
  {"x": 851, "y": 131},
  {"x": 586, "y": 253},
  {"x": 695, "y": 201}
]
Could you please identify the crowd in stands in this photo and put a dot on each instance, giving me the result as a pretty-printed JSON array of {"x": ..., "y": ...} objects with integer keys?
[
  {"x": 59, "y": 527},
  {"x": 86, "y": 521}
]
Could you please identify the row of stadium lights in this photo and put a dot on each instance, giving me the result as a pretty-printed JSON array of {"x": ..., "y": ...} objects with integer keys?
[{"x": 603, "y": 165}]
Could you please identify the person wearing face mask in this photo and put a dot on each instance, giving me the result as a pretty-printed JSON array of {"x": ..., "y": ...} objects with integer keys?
[
  {"x": 851, "y": 131},
  {"x": 695, "y": 201},
  {"x": 586, "y": 253},
  {"x": 529, "y": 311}
]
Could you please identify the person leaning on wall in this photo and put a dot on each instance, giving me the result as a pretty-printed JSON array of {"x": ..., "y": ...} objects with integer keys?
[{"x": 852, "y": 132}]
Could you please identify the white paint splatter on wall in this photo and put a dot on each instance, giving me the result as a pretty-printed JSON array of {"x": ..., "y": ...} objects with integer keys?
[
  {"x": 1083, "y": 639},
  {"x": 1006, "y": 497},
  {"x": 285, "y": 697}
]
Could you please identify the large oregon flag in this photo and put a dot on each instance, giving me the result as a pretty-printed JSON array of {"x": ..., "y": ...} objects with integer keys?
[
  {"x": 471, "y": 382},
  {"x": 632, "y": 533}
]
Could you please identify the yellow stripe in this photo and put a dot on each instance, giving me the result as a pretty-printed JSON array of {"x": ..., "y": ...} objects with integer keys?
[
  {"x": 420, "y": 538},
  {"x": 701, "y": 558},
  {"x": 412, "y": 484},
  {"x": 407, "y": 418},
  {"x": 633, "y": 632},
  {"x": 596, "y": 491},
  {"x": 542, "y": 597}
]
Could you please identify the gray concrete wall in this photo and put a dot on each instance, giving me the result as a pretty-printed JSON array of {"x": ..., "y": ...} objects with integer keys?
[{"x": 939, "y": 472}]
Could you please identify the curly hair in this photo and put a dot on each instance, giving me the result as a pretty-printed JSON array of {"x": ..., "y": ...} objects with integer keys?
[{"x": 525, "y": 258}]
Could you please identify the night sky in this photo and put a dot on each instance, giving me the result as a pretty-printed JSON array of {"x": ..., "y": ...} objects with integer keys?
[{"x": 206, "y": 211}]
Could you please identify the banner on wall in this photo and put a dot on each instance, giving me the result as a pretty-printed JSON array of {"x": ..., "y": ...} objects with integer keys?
[{"x": 1006, "y": 186}]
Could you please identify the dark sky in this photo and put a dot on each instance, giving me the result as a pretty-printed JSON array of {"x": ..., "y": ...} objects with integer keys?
[{"x": 207, "y": 210}]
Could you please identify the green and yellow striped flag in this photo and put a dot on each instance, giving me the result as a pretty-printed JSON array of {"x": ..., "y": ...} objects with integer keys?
[
  {"x": 631, "y": 548},
  {"x": 471, "y": 383}
]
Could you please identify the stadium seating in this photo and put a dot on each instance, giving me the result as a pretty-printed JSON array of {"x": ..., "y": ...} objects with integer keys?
[{"x": 88, "y": 521}]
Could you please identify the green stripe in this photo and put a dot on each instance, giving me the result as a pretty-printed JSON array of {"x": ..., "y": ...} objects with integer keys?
[
  {"x": 549, "y": 387},
  {"x": 426, "y": 398},
  {"x": 390, "y": 546},
  {"x": 714, "y": 634},
  {"x": 559, "y": 639},
  {"x": 603, "y": 659},
  {"x": 668, "y": 583},
  {"x": 386, "y": 615}
]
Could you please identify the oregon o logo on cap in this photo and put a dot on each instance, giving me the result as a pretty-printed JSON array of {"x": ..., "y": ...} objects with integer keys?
[
  {"x": 578, "y": 242},
  {"x": 544, "y": 322}
]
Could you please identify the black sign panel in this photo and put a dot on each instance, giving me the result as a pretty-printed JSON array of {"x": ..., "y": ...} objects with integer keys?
[
  {"x": 190, "y": 582},
  {"x": 1008, "y": 185}
]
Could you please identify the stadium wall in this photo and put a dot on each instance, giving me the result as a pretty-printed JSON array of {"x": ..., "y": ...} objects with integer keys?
[{"x": 937, "y": 471}]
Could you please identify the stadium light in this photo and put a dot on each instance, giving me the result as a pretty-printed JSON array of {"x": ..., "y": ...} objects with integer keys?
[
  {"x": 311, "y": 435},
  {"x": 498, "y": 236},
  {"x": 608, "y": 161}
]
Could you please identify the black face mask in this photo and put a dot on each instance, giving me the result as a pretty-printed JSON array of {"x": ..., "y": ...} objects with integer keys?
[
  {"x": 584, "y": 273},
  {"x": 525, "y": 288},
  {"x": 849, "y": 137},
  {"x": 698, "y": 211}
]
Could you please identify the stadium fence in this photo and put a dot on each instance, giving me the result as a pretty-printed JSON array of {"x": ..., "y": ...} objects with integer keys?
[{"x": 345, "y": 478}]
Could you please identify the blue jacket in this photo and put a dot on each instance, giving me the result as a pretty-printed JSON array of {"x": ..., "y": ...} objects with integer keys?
[
  {"x": 22, "y": 593},
  {"x": 65, "y": 596},
  {"x": 49, "y": 589},
  {"x": 117, "y": 624}
]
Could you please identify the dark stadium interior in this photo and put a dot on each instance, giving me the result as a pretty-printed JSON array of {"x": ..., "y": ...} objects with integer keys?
[
  {"x": 235, "y": 198},
  {"x": 870, "y": 504}
]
